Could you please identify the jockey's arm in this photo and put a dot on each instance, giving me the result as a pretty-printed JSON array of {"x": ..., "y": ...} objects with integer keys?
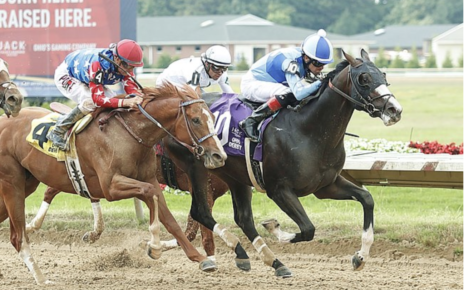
[
  {"x": 130, "y": 87},
  {"x": 224, "y": 84},
  {"x": 97, "y": 90},
  {"x": 300, "y": 88}
]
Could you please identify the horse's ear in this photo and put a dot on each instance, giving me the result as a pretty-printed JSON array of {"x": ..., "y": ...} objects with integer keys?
[
  {"x": 365, "y": 55},
  {"x": 349, "y": 58}
]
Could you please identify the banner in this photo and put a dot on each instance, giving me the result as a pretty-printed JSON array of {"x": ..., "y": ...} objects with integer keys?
[{"x": 36, "y": 35}]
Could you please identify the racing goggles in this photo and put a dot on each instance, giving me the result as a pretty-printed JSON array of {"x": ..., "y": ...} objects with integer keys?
[
  {"x": 317, "y": 63},
  {"x": 218, "y": 69}
]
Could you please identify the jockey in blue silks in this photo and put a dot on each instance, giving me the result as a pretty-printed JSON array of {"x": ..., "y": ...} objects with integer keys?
[{"x": 283, "y": 77}]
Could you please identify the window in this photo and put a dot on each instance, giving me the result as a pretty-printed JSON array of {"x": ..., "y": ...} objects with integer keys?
[
  {"x": 197, "y": 48},
  {"x": 159, "y": 49},
  {"x": 178, "y": 49}
]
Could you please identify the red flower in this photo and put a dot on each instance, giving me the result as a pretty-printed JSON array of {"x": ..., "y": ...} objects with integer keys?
[{"x": 436, "y": 148}]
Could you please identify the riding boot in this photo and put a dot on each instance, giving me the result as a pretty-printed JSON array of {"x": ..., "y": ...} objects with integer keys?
[
  {"x": 57, "y": 135},
  {"x": 250, "y": 124}
]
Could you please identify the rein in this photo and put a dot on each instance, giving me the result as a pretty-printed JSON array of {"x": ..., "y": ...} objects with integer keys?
[
  {"x": 197, "y": 150},
  {"x": 367, "y": 105}
]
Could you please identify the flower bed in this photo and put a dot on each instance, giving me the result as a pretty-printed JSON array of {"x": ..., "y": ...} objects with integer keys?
[
  {"x": 382, "y": 145},
  {"x": 434, "y": 147}
]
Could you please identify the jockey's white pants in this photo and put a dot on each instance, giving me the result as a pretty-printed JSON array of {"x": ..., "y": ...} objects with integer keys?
[
  {"x": 260, "y": 91},
  {"x": 76, "y": 90}
]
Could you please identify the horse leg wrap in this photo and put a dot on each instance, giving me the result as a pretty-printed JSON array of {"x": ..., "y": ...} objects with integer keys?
[
  {"x": 266, "y": 255},
  {"x": 230, "y": 240}
]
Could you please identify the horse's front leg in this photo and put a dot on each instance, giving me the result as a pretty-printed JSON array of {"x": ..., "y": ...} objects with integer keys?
[
  {"x": 122, "y": 187},
  {"x": 343, "y": 189},
  {"x": 243, "y": 215}
]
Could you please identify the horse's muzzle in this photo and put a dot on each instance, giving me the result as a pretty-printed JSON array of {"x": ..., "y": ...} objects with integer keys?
[
  {"x": 392, "y": 112},
  {"x": 214, "y": 160}
]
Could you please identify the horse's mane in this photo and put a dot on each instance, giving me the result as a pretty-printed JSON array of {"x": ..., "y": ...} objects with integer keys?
[
  {"x": 168, "y": 90},
  {"x": 331, "y": 75}
]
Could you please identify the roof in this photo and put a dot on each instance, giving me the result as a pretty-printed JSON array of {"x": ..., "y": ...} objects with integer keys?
[
  {"x": 454, "y": 35},
  {"x": 220, "y": 29},
  {"x": 403, "y": 36}
]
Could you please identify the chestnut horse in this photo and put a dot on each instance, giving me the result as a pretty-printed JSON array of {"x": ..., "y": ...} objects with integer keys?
[
  {"x": 303, "y": 153},
  {"x": 10, "y": 97},
  {"x": 216, "y": 188},
  {"x": 118, "y": 163}
]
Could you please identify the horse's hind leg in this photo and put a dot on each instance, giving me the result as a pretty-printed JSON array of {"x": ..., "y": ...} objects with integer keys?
[
  {"x": 98, "y": 223},
  {"x": 36, "y": 223},
  {"x": 14, "y": 197},
  {"x": 342, "y": 189}
]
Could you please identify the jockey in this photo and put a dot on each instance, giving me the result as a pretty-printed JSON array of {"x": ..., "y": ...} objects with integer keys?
[
  {"x": 284, "y": 76},
  {"x": 83, "y": 76},
  {"x": 209, "y": 69}
]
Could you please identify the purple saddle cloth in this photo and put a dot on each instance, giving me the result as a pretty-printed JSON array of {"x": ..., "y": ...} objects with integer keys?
[{"x": 229, "y": 111}]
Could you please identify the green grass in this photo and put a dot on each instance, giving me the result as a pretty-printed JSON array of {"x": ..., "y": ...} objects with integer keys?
[{"x": 430, "y": 217}]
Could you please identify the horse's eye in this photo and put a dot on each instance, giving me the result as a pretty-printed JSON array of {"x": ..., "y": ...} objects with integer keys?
[
  {"x": 364, "y": 79},
  {"x": 196, "y": 121}
]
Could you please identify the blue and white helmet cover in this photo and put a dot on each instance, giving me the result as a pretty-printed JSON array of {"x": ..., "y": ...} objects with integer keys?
[{"x": 318, "y": 47}]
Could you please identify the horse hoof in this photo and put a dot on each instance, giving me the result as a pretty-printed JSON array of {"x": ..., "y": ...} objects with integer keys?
[
  {"x": 357, "y": 262},
  {"x": 243, "y": 264},
  {"x": 154, "y": 253},
  {"x": 208, "y": 266},
  {"x": 283, "y": 272},
  {"x": 270, "y": 224},
  {"x": 90, "y": 237}
]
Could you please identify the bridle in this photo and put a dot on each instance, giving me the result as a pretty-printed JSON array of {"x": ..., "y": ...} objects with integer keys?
[
  {"x": 197, "y": 150},
  {"x": 366, "y": 102}
]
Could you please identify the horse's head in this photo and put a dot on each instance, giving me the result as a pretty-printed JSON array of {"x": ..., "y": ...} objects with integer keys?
[
  {"x": 369, "y": 91},
  {"x": 194, "y": 126},
  {"x": 10, "y": 97}
]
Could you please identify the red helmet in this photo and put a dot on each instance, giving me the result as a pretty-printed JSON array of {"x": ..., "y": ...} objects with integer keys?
[{"x": 130, "y": 52}]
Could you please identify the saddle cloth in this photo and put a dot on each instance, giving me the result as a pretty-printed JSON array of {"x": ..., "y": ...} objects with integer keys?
[
  {"x": 38, "y": 139},
  {"x": 229, "y": 111}
]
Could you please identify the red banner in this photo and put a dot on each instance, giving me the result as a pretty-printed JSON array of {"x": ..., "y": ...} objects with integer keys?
[{"x": 36, "y": 35}]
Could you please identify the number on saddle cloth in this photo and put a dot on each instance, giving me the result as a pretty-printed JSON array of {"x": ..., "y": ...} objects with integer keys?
[{"x": 229, "y": 110}]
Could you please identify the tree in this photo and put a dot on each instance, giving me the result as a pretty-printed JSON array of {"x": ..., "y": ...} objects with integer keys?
[
  {"x": 242, "y": 65},
  {"x": 414, "y": 61},
  {"x": 381, "y": 61},
  {"x": 460, "y": 61},
  {"x": 397, "y": 61},
  {"x": 431, "y": 61},
  {"x": 447, "y": 63},
  {"x": 165, "y": 60},
  {"x": 280, "y": 13}
]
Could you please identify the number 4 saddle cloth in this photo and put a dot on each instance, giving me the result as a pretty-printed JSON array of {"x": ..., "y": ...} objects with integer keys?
[{"x": 40, "y": 128}]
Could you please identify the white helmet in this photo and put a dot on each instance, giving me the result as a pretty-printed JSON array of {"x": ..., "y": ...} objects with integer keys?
[
  {"x": 217, "y": 55},
  {"x": 318, "y": 47}
]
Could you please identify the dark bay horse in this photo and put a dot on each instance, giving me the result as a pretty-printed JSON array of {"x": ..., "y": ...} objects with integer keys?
[
  {"x": 118, "y": 163},
  {"x": 303, "y": 153},
  {"x": 10, "y": 97}
]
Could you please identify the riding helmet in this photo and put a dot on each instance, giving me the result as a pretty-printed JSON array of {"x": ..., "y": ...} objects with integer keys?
[
  {"x": 217, "y": 55},
  {"x": 318, "y": 47},
  {"x": 130, "y": 52}
]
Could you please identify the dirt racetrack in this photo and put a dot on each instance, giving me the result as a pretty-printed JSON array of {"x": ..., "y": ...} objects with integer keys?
[{"x": 116, "y": 261}]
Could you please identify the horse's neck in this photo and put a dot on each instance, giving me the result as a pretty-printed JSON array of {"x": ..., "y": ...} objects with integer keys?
[
  {"x": 163, "y": 111},
  {"x": 329, "y": 114}
]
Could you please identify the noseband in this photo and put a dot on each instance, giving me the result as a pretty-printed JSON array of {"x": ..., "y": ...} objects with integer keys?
[
  {"x": 366, "y": 101},
  {"x": 196, "y": 149}
]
